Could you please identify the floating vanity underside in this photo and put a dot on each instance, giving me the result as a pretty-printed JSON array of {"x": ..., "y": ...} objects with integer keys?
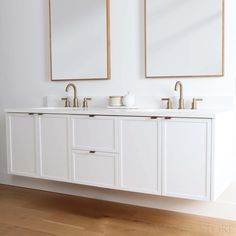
[{"x": 183, "y": 154}]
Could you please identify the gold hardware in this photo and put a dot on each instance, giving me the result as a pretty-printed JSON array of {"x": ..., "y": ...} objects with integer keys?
[
  {"x": 67, "y": 102},
  {"x": 169, "y": 104},
  {"x": 194, "y": 103},
  {"x": 154, "y": 117},
  {"x": 75, "y": 100},
  {"x": 39, "y": 114},
  {"x": 115, "y": 97},
  {"x": 85, "y": 102},
  {"x": 181, "y": 99}
]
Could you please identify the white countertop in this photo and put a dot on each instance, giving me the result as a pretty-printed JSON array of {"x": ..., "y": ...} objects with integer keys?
[{"x": 141, "y": 112}]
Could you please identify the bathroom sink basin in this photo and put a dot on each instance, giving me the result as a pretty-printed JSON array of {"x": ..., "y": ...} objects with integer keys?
[
  {"x": 158, "y": 110},
  {"x": 59, "y": 108}
]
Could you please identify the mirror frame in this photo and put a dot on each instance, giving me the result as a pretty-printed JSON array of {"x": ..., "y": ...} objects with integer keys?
[
  {"x": 108, "y": 47},
  {"x": 186, "y": 76}
]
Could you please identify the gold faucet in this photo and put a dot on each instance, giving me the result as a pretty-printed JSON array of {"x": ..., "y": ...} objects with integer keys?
[
  {"x": 85, "y": 102},
  {"x": 75, "y": 100},
  {"x": 168, "y": 104},
  {"x": 181, "y": 98},
  {"x": 194, "y": 103}
]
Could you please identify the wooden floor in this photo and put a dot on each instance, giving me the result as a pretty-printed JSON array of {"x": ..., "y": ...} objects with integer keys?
[{"x": 25, "y": 212}]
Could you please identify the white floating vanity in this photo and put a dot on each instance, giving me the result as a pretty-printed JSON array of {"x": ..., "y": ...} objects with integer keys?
[{"x": 160, "y": 152}]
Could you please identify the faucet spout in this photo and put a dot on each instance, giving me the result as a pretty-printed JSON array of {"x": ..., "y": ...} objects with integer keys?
[
  {"x": 179, "y": 86},
  {"x": 75, "y": 100}
]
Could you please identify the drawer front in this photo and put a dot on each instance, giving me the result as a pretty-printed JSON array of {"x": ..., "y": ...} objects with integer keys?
[
  {"x": 95, "y": 169},
  {"x": 94, "y": 133}
]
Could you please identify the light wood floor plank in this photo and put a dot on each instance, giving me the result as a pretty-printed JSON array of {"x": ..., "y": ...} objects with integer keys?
[{"x": 35, "y": 213}]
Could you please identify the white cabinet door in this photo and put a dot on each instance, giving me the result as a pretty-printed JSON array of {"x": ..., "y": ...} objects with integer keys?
[
  {"x": 94, "y": 133},
  {"x": 186, "y": 153},
  {"x": 22, "y": 147},
  {"x": 97, "y": 169},
  {"x": 54, "y": 147},
  {"x": 140, "y": 160}
]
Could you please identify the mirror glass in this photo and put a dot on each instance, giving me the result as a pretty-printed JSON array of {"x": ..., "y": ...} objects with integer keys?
[
  {"x": 184, "y": 38},
  {"x": 79, "y": 32}
]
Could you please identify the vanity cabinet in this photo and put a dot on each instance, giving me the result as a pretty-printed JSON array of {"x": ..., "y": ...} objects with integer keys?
[
  {"x": 186, "y": 158},
  {"x": 167, "y": 156},
  {"x": 22, "y": 144},
  {"x": 140, "y": 162}
]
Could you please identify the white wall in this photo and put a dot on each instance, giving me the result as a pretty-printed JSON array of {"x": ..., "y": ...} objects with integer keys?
[{"x": 24, "y": 73}]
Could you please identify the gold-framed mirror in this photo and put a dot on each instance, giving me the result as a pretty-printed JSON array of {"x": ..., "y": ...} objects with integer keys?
[
  {"x": 184, "y": 38},
  {"x": 79, "y": 39}
]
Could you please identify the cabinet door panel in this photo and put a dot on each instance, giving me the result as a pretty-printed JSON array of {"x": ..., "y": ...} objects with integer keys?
[
  {"x": 140, "y": 164},
  {"x": 95, "y": 169},
  {"x": 54, "y": 147},
  {"x": 95, "y": 133},
  {"x": 21, "y": 130},
  {"x": 186, "y": 158}
]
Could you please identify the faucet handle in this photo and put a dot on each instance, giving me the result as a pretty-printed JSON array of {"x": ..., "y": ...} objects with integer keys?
[
  {"x": 67, "y": 101},
  {"x": 194, "y": 103},
  {"x": 85, "y": 102},
  {"x": 169, "y": 104}
]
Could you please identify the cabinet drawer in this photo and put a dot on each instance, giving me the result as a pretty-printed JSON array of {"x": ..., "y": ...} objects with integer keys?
[
  {"x": 94, "y": 133},
  {"x": 96, "y": 169}
]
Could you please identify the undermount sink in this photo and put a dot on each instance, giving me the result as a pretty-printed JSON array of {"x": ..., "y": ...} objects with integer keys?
[
  {"x": 59, "y": 108},
  {"x": 160, "y": 110}
]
